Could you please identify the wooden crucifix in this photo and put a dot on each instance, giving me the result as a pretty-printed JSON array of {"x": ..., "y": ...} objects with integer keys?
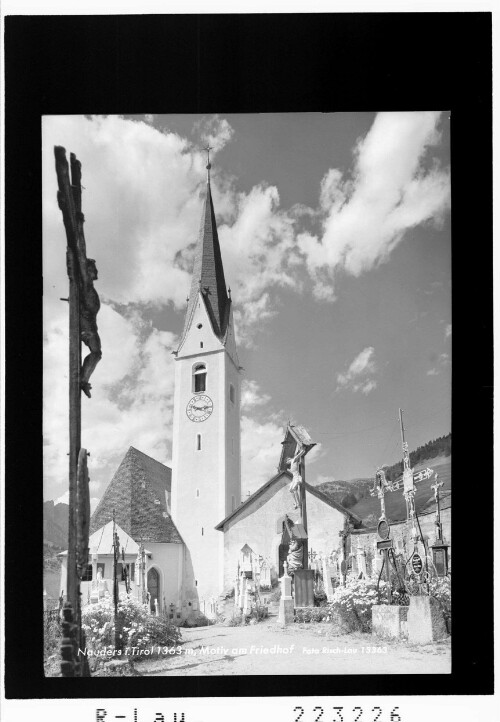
[
  {"x": 436, "y": 486},
  {"x": 303, "y": 444},
  {"x": 83, "y": 307}
]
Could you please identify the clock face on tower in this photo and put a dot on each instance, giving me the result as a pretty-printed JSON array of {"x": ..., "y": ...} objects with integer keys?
[{"x": 199, "y": 408}]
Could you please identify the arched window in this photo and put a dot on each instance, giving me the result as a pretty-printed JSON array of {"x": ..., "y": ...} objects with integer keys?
[{"x": 199, "y": 378}]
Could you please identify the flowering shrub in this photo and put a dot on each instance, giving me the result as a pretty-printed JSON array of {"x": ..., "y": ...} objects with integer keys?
[
  {"x": 234, "y": 621},
  {"x": 137, "y": 626},
  {"x": 320, "y": 598},
  {"x": 257, "y": 613},
  {"x": 353, "y": 603},
  {"x": 52, "y": 646},
  {"x": 312, "y": 614}
]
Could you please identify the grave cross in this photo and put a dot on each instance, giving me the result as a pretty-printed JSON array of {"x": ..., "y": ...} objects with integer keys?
[
  {"x": 380, "y": 488},
  {"x": 408, "y": 480},
  {"x": 343, "y": 534},
  {"x": 436, "y": 488}
]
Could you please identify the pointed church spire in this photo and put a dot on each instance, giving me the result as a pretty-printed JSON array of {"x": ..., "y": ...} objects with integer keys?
[{"x": 208, "y": 272}]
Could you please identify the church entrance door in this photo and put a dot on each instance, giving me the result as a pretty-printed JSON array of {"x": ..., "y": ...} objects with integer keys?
[{"x": 153, "y": 588}]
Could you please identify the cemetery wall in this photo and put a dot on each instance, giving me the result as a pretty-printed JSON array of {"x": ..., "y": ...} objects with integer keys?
[{"x": 366, "y": 541}]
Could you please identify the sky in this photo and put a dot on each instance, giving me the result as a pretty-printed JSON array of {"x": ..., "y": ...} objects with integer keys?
[{"x": 336, "y": 243}]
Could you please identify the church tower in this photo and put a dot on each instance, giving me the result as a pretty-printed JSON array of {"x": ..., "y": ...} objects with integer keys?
[{"x": 206, "y": 474}]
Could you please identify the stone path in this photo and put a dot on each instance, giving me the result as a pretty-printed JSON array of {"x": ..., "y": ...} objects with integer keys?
[{"x": 265, "y": 648}]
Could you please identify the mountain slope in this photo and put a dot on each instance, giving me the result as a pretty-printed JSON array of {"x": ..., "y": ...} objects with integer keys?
[{"x": 368, "y": 507}]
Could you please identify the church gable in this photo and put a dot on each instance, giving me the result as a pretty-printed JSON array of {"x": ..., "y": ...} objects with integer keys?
[
  {"x": 229, "y": 338},
  {"x": 258, "y": 523},
  {"x": 256, "y": 500},
  {"x": 137, "y": 494},
  {"x": 199, "y": 336},
  {"x": 269, "y": 490}
]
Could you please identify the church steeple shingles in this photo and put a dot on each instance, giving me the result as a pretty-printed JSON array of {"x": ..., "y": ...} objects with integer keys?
[{"x": 208, "y": 272}]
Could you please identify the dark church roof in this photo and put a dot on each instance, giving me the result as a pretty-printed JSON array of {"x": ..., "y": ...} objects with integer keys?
[
  {"x": 137, "y": 493},
  {"x": 208, "y": 273}
]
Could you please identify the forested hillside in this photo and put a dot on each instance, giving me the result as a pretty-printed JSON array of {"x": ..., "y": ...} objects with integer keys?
[{"x": 350, "y": 492}]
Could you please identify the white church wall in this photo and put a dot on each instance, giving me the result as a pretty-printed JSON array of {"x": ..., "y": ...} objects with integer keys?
[
  {"x": 167, "y": 558},
  {"x": 198, "y": 495},
  {"x": 202, "y": 339},
  {"x": 206, "y": 457},
  {"x": 232, "y": 437},
  {"x": 257, "y": 526}
]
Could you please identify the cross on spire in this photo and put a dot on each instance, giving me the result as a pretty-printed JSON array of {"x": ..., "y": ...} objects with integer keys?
[{"x": 209, "y": 165}]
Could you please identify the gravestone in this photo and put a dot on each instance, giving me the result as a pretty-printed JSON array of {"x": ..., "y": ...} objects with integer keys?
[
  {"x": 265, "y": 575},
  {"x": 327, "y": 579},
  {"x": 389, "y": 621},
  {"x": 304, "y": 587},
  {"x": 426, "y": 622}
]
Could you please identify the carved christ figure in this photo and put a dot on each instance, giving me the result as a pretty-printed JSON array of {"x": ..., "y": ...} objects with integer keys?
[
  {"x": 89, "y": 307},
  {"x": 295, "y": 486}
]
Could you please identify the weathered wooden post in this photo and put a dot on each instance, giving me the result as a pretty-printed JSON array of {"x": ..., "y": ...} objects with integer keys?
[
  {"x": 66, "y": 203},
  {"x": 83, "y": 307},
  {"x": 116, "y": 557},
  {"x": 68, "y": 643}
]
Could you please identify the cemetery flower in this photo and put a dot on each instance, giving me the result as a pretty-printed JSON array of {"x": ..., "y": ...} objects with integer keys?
[{"x": 138, "y": 627}]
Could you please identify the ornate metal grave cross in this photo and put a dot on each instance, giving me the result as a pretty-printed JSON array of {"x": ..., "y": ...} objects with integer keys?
[{"x": 436, "y": 487}]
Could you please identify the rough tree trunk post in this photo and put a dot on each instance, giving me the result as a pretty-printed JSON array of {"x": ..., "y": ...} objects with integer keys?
[
  {"x": 66, "y": 201},
  {"x": 69, "y": 198}
]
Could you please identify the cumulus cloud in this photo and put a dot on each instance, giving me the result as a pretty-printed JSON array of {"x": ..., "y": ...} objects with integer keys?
[
  {"x": 142, "y": 201},
  {"x": 365, "y": 387},
  {"x": 357, "y": 376},
  {"x": 132, "y": 397},
  {"x": 257, "y": 247},
  {"x": 251, "y": 395},
  {"x": 447, "y": 331},
  {"x": 392, "y": 188},
  {"x": 214, "y": 131},
  {"x": 443, "y": 361},
  {"x": 260, "y": 452}
]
